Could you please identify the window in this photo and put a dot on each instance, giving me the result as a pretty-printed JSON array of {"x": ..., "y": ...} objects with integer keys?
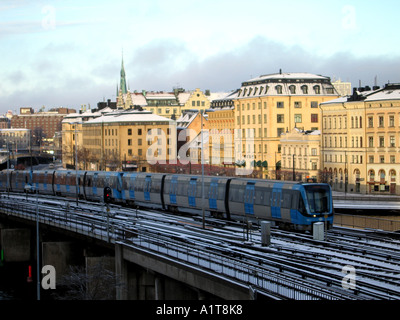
[
  {"x": 139, "y": 142},
  {"x": 297, "y": 104},
  {"x": 382, "y": 159},
  {"x": 129, "y": 132},
  {"x": 392, "y": 159},
  {"x": 371, "y": 159},
  {"x": 292, "y": 89},
  {"x": 279, "y": 104},
  {"x": 381, "y": 142},
  {"x": 297, "y": 118},
  {"x": 381, "y": 121},
  {"x": 129, "y": 142},
  {"x": 391, "y": 121},
  {"x": 280, "y": 118},
  {"x": 370, "y": 122},
  {"x": 304, "y": 89},
  {"x": 392, "y": 141},
  {"x": 314, "y": 104},
  {"x": 317, "y": 89},
  {"x": 371, "y": 142},
  {"x": 314, "y": 117},
  {"x": 278, "y": 89}
]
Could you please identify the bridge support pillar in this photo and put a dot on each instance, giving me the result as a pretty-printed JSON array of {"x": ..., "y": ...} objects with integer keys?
[
  {"x": 60, "y": 255},
  {"x": 16, "y": 245}
]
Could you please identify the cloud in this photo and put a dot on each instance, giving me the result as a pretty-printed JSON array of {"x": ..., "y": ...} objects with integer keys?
[
  {"x": 160, "y": 68},
  {"x": 54, "y": 80}
]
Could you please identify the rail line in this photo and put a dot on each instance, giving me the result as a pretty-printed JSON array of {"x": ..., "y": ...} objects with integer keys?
[{"x": 293, "y": 260}]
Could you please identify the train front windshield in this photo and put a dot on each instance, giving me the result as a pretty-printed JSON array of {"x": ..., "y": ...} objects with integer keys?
[{"x": 318, "y": 198}]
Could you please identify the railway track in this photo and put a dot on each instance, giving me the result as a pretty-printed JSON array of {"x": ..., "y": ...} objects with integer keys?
[{"x": 297, "y": 257}]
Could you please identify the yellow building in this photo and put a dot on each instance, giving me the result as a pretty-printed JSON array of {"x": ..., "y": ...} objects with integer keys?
[
  {"x": 270, "y": 105},
  {"x": 129, "y": 140},
  {"x": 301, "y": 155},
  {"x": 221, "y": 123},
  {"x": 361, "y": 140},
  {"x": 71, "y": 139}
]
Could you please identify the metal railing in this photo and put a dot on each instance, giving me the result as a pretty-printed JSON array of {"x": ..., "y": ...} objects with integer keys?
[{"x": 364, "y": 222}]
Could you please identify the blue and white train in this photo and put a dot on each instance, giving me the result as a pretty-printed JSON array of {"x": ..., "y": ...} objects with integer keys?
[{"x": 291, "y": 205}]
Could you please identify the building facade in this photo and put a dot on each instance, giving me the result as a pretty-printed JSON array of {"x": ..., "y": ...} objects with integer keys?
[
  {"x": 128, "y": 140},
  {"x": 270, "y": 105},
  {"x": 301, "y": 159},
  {"x": 361, "y": 141}
]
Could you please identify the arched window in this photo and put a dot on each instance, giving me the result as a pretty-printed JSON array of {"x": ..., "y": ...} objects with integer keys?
[
  {"x": 317, "y": 89},
  {"x": 292, "y": 89},
  {"x": 278, "y": 89},
  {"x": 304, "y": 88}
]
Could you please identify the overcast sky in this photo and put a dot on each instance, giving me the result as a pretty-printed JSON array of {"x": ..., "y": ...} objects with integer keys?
[{"x": 68, "y": 53}]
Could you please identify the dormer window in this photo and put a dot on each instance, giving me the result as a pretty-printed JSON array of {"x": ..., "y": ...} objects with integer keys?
[
  {"x": 317, "y": 89},
  {"x": 278, "y": 89},
  {"x": 261, "y": 90},
  {"x": 292, "y": 89},
  {"x": 255, "y": 91},
  {"x": 304, "y": 89}
]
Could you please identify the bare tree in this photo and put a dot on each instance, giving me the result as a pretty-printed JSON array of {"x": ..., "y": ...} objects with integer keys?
[{"x": 92, "y": 283}]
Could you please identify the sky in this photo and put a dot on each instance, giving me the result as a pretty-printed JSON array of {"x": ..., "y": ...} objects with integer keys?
[{"x": 68, "y": 53}]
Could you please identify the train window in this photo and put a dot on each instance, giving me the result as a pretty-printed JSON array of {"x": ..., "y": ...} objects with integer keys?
[
  {"x": 295, "y": 200},
  {"x": 259, "y": 196},
  {"x": 221, "y": 191},
  {"x": 318, "y": 198},
  {"x": 287, "y": 199}
]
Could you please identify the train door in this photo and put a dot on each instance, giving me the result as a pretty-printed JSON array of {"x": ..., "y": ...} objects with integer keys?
[
  {"x": 276, "y": 201},
  {"x": 172, "y": 190},
  {"x": 45, "y": 181},
  {"x": 95, "y": 181},
  {"x": 120, "y": 194},
  {"x": 132, "y": 181},
  {"x": 147, "y": 188},
  {"x": 249, "y": 198},
  {"x": 192, "y": 192},
  {"x": 213, "y": 194}
]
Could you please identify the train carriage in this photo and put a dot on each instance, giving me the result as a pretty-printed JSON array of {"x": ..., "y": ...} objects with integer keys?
[
  {"x": 43, "y": 181},
  {"x": 143, "y": 188},
  {"x": 290, "y": 205},
  {"x": 129, "y": 187},
  {"x": 185, "y": 191},
  {"x": 19, "y": 179}
]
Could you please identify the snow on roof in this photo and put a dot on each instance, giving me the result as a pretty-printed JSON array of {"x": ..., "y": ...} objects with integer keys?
[
  {"x": 291, "y": 75},
  {"x": 384, "y": 95},
  {"x": 129, "y": 116}
]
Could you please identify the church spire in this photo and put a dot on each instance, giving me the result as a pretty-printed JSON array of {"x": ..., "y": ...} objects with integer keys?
[{"x": 122, "y": 84}]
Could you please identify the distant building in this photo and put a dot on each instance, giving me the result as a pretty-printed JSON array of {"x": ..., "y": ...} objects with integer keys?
[
  {"x": 45, "y": 124},
  {"x": 165, "y": 104},
  {"x": 360, "y": 141},
  {"x": 269, "y": 105},
  {"x": 301, "y": 155},
  {"x": 343, "y": 88}
]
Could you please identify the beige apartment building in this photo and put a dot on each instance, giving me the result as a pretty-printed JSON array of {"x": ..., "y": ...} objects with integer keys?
[
  {"x": 361, "y": 140},
  {"x": 129, "y": 140},
  {"x": 270, "y": 105},
  {"x": 301, "y": 159}
]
